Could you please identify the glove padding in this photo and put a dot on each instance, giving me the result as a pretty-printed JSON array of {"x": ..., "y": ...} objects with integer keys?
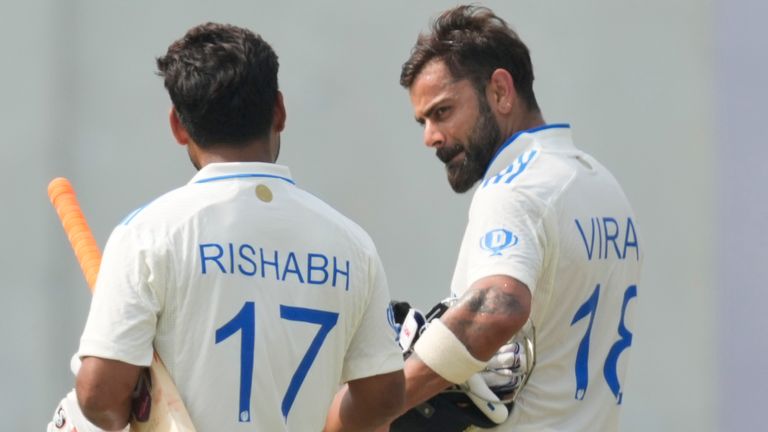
[
  {"x": 507, "y": 370},
  {"x": 483, "y": 401}
]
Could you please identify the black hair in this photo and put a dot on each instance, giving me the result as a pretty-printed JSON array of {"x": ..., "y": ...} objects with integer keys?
[{"x": 222, "y": 81}]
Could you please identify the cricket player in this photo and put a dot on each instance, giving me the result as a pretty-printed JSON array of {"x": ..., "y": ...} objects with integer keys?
[
  {"x": 551, "y": 245},
  {"x": 260, "y": 298}
]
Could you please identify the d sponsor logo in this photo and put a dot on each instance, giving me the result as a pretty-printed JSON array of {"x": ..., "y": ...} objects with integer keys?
[{"x": 497, "y": 240}]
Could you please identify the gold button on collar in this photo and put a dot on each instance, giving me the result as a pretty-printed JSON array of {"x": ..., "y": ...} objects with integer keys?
[{"x": 263, "y": 193}]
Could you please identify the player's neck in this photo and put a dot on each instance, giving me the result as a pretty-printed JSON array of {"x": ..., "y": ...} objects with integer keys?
[
  {"x": 256, "y": 151},
  {"x": 524, "y": 121}
]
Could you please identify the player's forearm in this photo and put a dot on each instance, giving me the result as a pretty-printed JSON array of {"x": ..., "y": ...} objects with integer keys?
[
  {"x": 366, "y": 404},
  {"x": 104, "y": 389},
  {"x": 489, "y": 314},
  {"x": 421, "y": 382},
  {"x": 107, "y": 418},
  {"x": 333, "y": 422},
  {"x": 345, "y": 415}
]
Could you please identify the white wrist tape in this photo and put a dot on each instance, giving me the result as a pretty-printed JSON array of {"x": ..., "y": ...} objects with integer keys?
[{"x": 445, "y": 354}]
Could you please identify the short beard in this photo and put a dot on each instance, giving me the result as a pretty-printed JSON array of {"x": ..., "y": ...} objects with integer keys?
[{"x": 478, "y": 151}]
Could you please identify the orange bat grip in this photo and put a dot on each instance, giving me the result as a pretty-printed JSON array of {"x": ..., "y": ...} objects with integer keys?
[{"x": 64, "y": 200}]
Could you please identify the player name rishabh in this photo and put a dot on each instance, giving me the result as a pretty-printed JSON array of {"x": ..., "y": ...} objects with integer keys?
[{"x": 250, "y": 260}]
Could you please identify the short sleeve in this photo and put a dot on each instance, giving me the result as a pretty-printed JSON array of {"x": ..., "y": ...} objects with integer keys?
[
  {"x": 505, "y": 236},
  {"x": 123, "y": 315},
  {"x": 373, "y": 350}
]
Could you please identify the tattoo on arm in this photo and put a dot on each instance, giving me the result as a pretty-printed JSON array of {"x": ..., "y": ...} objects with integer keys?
[
  {"x": 484, "y": 318},
  {"x": 494, "y": 300}
]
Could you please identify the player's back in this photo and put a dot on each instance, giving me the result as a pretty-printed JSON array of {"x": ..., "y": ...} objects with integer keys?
[
  {"x": 552, "y": 217},
  {"x": 584, "y": 297},
  {"x": 264, "y": 296}
]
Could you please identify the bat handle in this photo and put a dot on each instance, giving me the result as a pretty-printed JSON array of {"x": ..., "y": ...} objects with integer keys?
[{"x": 64, "y": 200}]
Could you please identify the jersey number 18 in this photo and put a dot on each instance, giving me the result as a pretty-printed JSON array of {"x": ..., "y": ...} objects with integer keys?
[{"x": 588, "y": 309}]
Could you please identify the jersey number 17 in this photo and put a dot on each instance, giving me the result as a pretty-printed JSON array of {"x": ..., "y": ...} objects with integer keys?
[{"x": 245, "y": 323}]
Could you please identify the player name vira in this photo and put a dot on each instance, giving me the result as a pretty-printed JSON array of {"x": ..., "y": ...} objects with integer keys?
[
  {"x": 249, "y": 260},
  {"x": 607, "y": 237}
]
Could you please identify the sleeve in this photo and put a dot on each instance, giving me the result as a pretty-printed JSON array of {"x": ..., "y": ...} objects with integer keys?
[
  {"x": 505, "y": 236},
  {"x": 373, "y": 349},
  {"x": 123, "y": 315}
]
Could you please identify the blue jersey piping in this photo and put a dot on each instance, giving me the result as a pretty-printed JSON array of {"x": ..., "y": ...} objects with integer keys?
[
  {"x": 511, "y": 139},
  {"x": 133, "y": 214},
  {"x": 233, "y": 176}
]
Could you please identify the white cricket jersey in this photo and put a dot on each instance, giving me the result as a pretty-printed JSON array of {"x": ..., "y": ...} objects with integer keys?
[
  {"x": 552, "y": 217},
  {"x": 260, "y": 299}
]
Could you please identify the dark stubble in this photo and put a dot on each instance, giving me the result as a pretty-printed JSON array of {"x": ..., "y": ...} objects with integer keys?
[{"x": 478, "y": 150}]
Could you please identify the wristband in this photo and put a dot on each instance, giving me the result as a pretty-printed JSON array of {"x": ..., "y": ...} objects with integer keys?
[{"x": 445, "y": 354}]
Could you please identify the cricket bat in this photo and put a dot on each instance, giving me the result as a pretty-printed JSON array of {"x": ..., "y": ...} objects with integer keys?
[{"x": 167, "y": 412}]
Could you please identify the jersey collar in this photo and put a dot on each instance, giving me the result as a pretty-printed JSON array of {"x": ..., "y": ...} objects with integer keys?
[
  {"x": 241, "y": 170},
  {"x": 523, "y": 140}
]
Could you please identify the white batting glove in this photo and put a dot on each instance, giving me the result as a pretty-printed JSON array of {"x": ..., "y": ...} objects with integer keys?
[
  {"x": 506, "y": 369},
  {"x": 69, "y": 418},
  {"x": 410, "y": 330},
  {"x": 510, "y": 357},
  {"x": 485, "y": 399}
]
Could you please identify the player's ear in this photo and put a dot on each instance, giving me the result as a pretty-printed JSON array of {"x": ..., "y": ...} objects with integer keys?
[
  {"x": 278, "y": 117},
  {"x": 501, "y": 91},
  {"x": 178, "y": 129}
]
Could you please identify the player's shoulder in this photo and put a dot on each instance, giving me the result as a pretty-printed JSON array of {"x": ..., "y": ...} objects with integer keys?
[
  {"x": 146, "y": 226},
  {"x": 512, "y": 171},
  {"x": 159, "y": 218},
  {"x": 157, "y": 209},
  {"x": 537, "y": 173}
]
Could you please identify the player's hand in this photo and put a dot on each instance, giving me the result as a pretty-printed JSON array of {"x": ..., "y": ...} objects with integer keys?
[
  {"x": 410, "y": 322},
  {"x": 506, "y": 369}
]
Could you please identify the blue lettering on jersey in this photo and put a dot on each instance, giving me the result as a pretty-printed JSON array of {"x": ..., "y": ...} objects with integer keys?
[
  {"x": 314, "y": 269},
  {"x": 497, "y": 240},
  {"x": 249, "y": 260},
  {"x": 291, "y": 266},
  {"x": 211, "y": 256},
  {"x": 267, "y": 263},
  {"x": 606, "y": 237},
  {"x": 511, "y": 172},
  {"x": 337, "y": 271}
]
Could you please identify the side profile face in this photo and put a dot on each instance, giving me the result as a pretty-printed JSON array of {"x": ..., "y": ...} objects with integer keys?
[{"x": 458, "y": 123}]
